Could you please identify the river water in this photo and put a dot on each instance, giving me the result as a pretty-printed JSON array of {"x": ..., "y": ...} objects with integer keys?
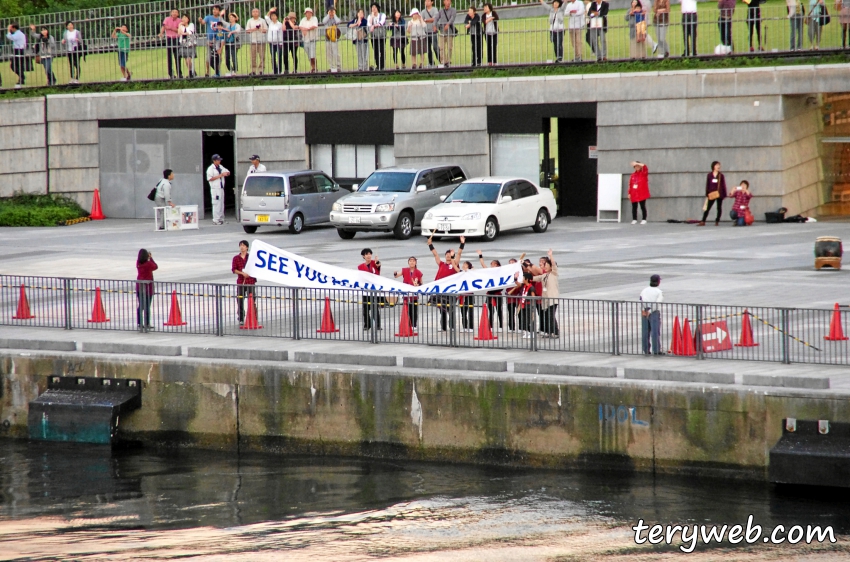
[{"x": 61, "y": 501}]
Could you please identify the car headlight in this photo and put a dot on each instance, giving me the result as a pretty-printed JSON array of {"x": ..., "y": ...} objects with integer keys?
[
  {"x": 337, "y": 207},
  {"x": 385, "y": 207},
  {"x": 471, "y": 217},
  {"x": 429, "y": 215}
]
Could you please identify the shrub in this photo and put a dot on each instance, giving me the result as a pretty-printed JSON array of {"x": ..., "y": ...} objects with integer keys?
[{"x": 38, "y": 210}]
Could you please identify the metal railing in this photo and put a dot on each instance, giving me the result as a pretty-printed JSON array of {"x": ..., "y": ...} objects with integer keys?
[
  {"x": 525, "y": 41},
  {"x": 590, "y": 326}
]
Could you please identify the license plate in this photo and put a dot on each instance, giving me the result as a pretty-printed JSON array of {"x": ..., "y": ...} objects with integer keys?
[
  {"x": 262, "y": 218},
  {"x": 353, "y": 220},
  {"x": 444, "y": 226}
]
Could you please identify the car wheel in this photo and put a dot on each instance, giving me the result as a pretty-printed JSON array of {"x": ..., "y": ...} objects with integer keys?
[
  {"x": 297, "y": 224},
  {"x": 491, "y": 229},
  {"x": 249, "y": 229},
  {"x": 345, "y": 234},
  {"x": 542, "y": 222},
  {"x": 403, "y": 226}
]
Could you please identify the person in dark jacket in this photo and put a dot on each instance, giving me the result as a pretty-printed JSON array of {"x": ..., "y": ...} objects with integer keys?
[
  {"x": 398, "y": 38},
  {"x": 754, "y": 22},
  {"x": 715, "y": 191},
  {"x": 145, "y": 266},
  {"x": 472, "y": 22},
  {"x": 597, "y": 14}
]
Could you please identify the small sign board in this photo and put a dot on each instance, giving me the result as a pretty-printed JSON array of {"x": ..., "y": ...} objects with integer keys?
[
  {"x": 715, "y": 337},
  {"x": 182, "y": 217},
  {"x": 592, "y": 153}
]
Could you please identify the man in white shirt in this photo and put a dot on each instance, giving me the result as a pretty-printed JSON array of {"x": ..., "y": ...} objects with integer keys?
[
  {"x": 256, "y": 29},
  {"x": 216, "y": 175},
  {"x": 429, "y": 14},
  {"x": 19, "y": 50},
  {"x": 575, "y": 11},
  {"x": 689, "y": 27},
  {"x": 256, "y": 167},
  {"x": 651, "y": 316}
]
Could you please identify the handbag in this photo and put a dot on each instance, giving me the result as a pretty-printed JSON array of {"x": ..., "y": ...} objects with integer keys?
[
  {"x": 825, "y": 18},
  {"x": 332, "y": 33},
  {"x": 154, "y": 191},
  {"x": 38, "y": 59},
  {"x": 748, "y": 217},
  {"x": 712, "y": 195}
]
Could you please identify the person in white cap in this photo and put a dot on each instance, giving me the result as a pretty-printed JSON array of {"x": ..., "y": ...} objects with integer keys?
[
  {"x": 309, "y": 26},
  {"x": 256, "y": 167},
  {"x": 216, "y": 175},
  {"x": 418, "y": 40},
  {"x": 331, "y": 23}
]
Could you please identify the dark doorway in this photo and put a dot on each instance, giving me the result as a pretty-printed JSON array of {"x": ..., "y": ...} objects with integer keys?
[
  {"x": 577, "y": 190},
  {"x": 221, "y": 143}
]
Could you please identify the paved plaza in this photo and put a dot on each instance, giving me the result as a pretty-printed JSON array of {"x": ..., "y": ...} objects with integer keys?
[{"x": 762, "y": 265}]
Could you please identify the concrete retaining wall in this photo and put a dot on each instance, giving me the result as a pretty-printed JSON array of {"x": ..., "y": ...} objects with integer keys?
[
  {"x": 513, "y": 420},
  {"x": 23, "y": 148}
]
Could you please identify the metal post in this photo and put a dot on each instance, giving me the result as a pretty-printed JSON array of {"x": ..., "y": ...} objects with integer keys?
[
  {"x": 219, "y": 331},
  {"x": 533, "y": 328},
  {"x": 296, "y": 332},
  {"x": 786, "y": 356},
  {"x": 698, "y": 332},
  {"x": 66, "y": 283},
  {"x": 373, "y": 312},
  {"x": 450, "y": 318},
  {"x": 615, "y": 328}
]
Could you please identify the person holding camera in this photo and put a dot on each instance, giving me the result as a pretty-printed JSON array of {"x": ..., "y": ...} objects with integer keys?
[
  {"x": 122, "y": 35},
  {"x": 145, "y": 266}
]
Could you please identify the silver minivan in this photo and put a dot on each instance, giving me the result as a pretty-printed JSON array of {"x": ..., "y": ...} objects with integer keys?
[
  {"x": 290, "y": 198},
  {"x": 395, "y": 199}
]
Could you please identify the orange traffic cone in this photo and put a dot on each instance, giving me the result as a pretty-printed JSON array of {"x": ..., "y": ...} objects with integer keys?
[
  {"x": 174, "y": 316},
  {"x": 688, "y": 348},
  {"x": 405, "y": 330},
  {"x": 251, "y": 316},
  {"x": 836, "y": 332},
  {"x": 746, "y": 332},
  {"x": 23, "y": 312},
  {"x": 328, "y": 326},
  {"x": 96, "y": 212},
  {"x": 98, "y": 314},
  {"x": 484, "y": 331},
  {"x": 676, "y": 342}
]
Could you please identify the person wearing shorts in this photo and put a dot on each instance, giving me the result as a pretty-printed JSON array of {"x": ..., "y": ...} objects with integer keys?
[
  {"x": 122, "y": 35},
  {"x": 309, "y": 26}
]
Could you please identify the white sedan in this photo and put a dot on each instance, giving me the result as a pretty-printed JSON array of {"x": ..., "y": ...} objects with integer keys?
[{"x": 486, "y": 206}]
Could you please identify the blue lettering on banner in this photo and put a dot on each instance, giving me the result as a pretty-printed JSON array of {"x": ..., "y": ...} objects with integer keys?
[
  {"x": 464, "y": 287},
  {"x": 505, "y": 280},
  {"x": 281, "y": 268},
  {"x": 299, "y": 268},
  {"x": 260, "y": 258},
  {"x": 621, "y": 414},
  {"x": 270, "y": 265},
  {"x": 323, "y": 279},
  {"x": 447, "y": 287},
  {"x": 476, "y": 284},
  {"x": 308, "y": 275},
  {"x": 490, "y": 284}
]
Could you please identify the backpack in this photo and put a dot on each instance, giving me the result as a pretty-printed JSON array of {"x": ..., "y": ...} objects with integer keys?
[
  {"x": 332, "y": 33},
  {"x": 154, "y": 192}
]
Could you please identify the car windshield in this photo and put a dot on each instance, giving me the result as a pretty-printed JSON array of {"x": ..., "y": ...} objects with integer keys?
[
  {"x": 264, "y": 186},
  {"x": 475, "y": 193},
  {"x": 399, "y": 182}
]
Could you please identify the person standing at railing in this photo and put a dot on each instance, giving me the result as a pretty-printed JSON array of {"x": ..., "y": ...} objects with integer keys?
[
  {"x": 291, "y": 40},
  {"x": 466, "y": 303},
  {"x": 211, "y": 23},
  {"x": 550, "y": 292},
  {"x": 689, "y": 27},
  {"x": 445, "y": 269},
  {"x": 650, "y": 314},
  {"x": 842, "y": 7},
  {"x": 378, "y": 33},
  {"x": 274, "y": 37},
  {"x": 445, "y": 23},
  {"x": 726, "y": 10},
  {"x": 525, "y": 292},
  {"x": 256, "y": 28},
  {"x": 637, "y": 30},
  {"x": 398, "y": 38},
  {"x": 411, "y": 276},
  {"x": 429, "y": 16},
  {"x": 232, "y": 43},
  {"x": 309, "y": 27},
  {"x": 754, "y": 21},
  {"x": 661, "y": 18},
  {"x": 45, "y": 47},
  {"x": 418, "y": 38},
  {"x": 472, "y": 22},
  {"x": 796, "y": 15},
  {"x": 597, "y": 12},
  {"x": 187, "y": 49},
  {"x": 372, "y": 266},
  {"x": 122, "y": 36},
  {"x": 491, "y": 34},
  {"x": 715, "y": 190},
  {"x": 360, "y": 38},
  {"x": 331, "y": 23},
  {"x": 171, "y": 29},
  {"x": 244, "y": 282},
  {"x": 494, "y": 297},
  {"x": 817, "y": 19},
  {"x": 19, "y": 52},
  {"x": 73, "y": 42},
  {"x": 145, "y": 266},
  {"x": 575, "y": 11},
  {"x": 556, "y": 27},
  {"x": 218, "y": 48}
]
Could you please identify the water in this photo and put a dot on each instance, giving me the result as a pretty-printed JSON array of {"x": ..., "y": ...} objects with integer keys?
[{"x": 62, "y": 501}]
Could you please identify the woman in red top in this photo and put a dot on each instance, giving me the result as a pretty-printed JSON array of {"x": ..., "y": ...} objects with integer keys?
[
  {"x": 739, "y": 210},
  {"x": 639, "y": 190},
  {"x": 715, "y": 183},
  {"x": 373, "y": 266},
  {"x": 145, "y": 266},
  {"x": 524, "y": 290},
  {"x": 411, "y": 276}
]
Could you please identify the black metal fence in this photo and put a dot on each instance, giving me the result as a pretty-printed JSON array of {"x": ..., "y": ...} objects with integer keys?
[{"x": 482, "y": 321}]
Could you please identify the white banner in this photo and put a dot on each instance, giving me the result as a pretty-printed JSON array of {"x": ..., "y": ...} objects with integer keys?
[{"x": 270, "y": 263}]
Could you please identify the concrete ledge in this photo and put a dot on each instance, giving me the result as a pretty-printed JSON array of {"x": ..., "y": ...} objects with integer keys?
[
  {"x": 43, "y": 345},
  {"x": 345, "y": 359},
  {"x": 679, "y": 376},
  {"x": 785, "y": 381},
  {"x": 565, "y": 370},
  {"x": 454, "y": 364},
  {"x": 135, "y": 349},
  {"x": 235, "y": 353}
]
